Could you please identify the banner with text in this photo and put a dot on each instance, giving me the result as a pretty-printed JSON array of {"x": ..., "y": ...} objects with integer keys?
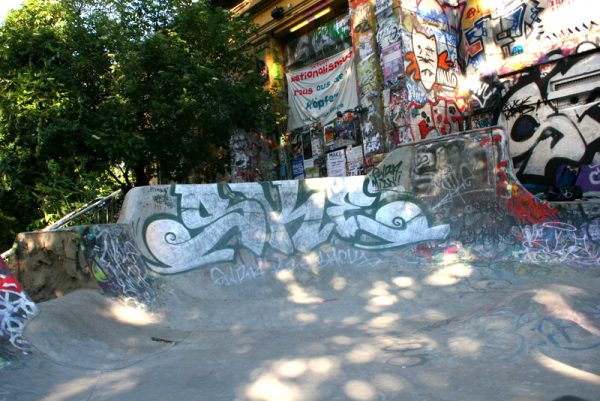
[{"x": 317, "y": 92}]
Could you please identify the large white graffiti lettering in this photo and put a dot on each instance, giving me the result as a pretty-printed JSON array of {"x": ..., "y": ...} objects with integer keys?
[
  {"x": 288, "y": 217},
  {"x": 546, "y": 134}
]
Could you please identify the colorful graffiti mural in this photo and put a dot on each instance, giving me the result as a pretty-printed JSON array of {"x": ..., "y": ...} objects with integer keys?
[
  {"x": 116, "y": 262},
  {"x": 451, "y": 192},
  {"x": 369, "y": 76},
  {"x": 15, "y": 308},
  {"x": 504, "y": 37},
  {"x": 434, "y": 104},
  {"x": 427, "y": 66},
  {"x": 553, "y": 123},
  {"x": 549, "y": 110}
]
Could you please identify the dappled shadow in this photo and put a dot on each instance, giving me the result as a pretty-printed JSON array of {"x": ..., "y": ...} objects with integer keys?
[
  {"x": 445, "y": 331},
  {"x": 334, "y": 290}
]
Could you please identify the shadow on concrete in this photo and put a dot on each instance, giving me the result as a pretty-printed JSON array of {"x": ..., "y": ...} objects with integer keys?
[{"x": 451, "y": 331}]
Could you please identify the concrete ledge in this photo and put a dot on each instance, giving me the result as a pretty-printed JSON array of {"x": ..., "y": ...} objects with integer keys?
[{"x": 50, "y": 264}]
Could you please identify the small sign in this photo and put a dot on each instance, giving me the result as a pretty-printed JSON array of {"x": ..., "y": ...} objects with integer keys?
[
  {"x": 298, "y": 168},
  {"x": 336, "y": 163}
]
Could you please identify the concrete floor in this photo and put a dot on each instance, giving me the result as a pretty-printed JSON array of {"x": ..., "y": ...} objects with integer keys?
[{"x": 451, "y": 332}]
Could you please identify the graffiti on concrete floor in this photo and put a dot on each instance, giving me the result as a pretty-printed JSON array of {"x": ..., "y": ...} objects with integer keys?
[{"x": 530, "y": 328}]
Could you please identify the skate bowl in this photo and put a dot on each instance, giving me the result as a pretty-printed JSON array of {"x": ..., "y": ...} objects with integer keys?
[
  {"x": 451, "y": 194},
  {"x": 435, "y": 277}
]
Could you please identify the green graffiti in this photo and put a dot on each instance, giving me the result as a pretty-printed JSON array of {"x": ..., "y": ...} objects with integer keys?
[{"x": 215, "y": 222}]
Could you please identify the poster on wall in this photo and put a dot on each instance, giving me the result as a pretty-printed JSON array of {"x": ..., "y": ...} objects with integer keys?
[
  {"x": 329, "y": 132},
  {"x": 317, "y": 92},
  {"x": 336, "y": 163},
  {"x": 298, "y": 167},
  {"x": 311, "y": 170},
  {"x": 316, "y": 139},
  {"x": 317, "y": 146},
  {"x": 355, "y": 160}
]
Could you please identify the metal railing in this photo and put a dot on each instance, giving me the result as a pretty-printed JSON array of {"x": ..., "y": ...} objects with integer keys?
[
  {"x": 101, "y": 210},
  {"x": 98, "y": 211}
]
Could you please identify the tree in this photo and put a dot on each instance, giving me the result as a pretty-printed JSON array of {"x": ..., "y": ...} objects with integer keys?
[
  {"x": 185, "y": 84},
  {"x": 52, "y": 79},
  {"x": 96, "y": 95}
]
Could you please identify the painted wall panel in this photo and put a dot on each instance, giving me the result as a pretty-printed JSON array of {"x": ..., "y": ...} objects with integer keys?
[{"x": 452, "y": 192}]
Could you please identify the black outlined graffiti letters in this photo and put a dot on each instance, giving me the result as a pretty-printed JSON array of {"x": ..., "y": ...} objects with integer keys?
[
  {"x": 544, "y": 133},
  {"x": 215, "y": 222}
]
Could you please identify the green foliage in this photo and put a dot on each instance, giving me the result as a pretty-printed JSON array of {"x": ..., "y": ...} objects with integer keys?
[{"x": 96, "y": 95}]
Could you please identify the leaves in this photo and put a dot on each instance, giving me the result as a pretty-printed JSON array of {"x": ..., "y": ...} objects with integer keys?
[{"x": 99, "y": 94}]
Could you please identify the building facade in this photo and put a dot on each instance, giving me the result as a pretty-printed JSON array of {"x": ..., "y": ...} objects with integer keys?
[{"x": 354, "y": 80}]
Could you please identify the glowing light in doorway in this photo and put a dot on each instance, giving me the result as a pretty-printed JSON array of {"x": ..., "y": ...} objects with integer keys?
[{"x": 311, "y": 19}]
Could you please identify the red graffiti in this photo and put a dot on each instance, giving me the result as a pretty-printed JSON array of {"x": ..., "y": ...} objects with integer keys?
[
  {"x": 7, "y": 281},
  {"x": 413, "y": 67},
  {"x": 474, "y": 49},
  {"x": 528, "y": 209},
  {"x": 443, "y": 116},
  {"x": 472, "y": 12},
  {"x": 443, "y": 61},
  {"x": 424, "y": 128},
  {"x": 523, "y": 205},
  {"x": 496, "y": 138}
]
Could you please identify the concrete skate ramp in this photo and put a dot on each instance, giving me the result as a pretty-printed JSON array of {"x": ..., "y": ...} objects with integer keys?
[
  {"x": 89, "y": 330},
  {"x": 448, "y": 331},
  {"x": 437, "y": 277},
  {"x": 452, "y": 194}
]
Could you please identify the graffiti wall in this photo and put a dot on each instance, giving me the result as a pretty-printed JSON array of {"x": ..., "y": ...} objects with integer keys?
[
  {"x": 538, "y": 66},
  {"x": 551, "y": 114},
  {"x": 222, "y": 223},
  {"x": 456, "y": 192},
  {"x": 433, "y": 101},
  {"x": 507, "y": 36},
  {"x": 252, "y": 157},
  {"x": 368, "y": 75},
  {"x": 15, "y": 308},
  {"x": 116, "y": 262}
]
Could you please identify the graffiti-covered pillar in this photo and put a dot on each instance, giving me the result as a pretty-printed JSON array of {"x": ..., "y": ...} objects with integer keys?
[
  {"x": 368, "y": 75},
  {"x": 434, "y": 102},
  {"x": 389, "y": 43}
]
